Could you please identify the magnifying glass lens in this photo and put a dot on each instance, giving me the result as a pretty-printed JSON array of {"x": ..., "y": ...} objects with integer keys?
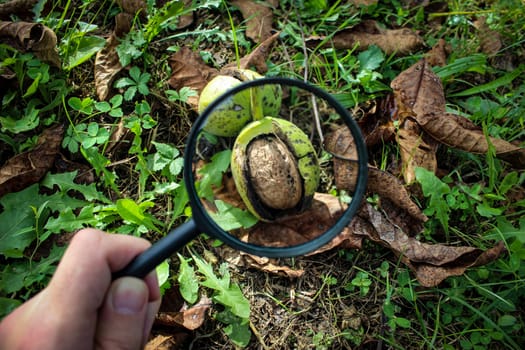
[
  {"x": 273, "y": 167},
  {"x": 263, "y": 167}
]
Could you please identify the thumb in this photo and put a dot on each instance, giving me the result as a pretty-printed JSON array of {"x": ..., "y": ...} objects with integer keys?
[{"x": 123, "y": 316}]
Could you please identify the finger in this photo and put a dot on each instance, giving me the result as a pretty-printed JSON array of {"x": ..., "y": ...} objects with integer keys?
[
  {"x": 84, "y": 273},
  {"x": 123, "y": 317},
  {"x": 83, "y": 277},
  {"x": 153, "y": 309}
]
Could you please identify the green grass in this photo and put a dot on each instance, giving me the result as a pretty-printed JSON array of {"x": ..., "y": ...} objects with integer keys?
[{"x": 139, "y": 192}]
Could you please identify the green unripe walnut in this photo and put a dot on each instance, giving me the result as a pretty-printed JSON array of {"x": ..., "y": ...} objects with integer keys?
[
  {"x": 236, "y": 111},
  {"x": 232, "y": 114},
  {"x": 275, "y": 168}
]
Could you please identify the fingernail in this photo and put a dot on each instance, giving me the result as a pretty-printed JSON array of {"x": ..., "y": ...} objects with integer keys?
[{"x": 129, "y": 296}]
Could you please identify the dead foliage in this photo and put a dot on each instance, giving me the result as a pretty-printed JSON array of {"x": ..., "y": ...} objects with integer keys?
[
  {"x": 419, "y": 96},
  {"x": 31, "y": 37},
  {"x": 367, "y": 33},
  {"x": 29, "y": 167},
  {"x": 259, "y": 18},
  {"x": 189, "y": 70},
  {"x": 107, "y": 62}
]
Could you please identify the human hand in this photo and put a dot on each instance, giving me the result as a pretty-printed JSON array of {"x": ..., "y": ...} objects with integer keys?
[{"x": 82, "y": 308}]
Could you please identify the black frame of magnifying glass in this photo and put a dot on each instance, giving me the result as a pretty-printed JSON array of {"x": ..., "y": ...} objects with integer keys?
[{"x": 209, "y": 226}]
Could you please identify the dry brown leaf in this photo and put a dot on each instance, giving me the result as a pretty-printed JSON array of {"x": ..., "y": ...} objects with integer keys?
[
  {"x": 188, "y": 69},
  {"x": 437, "y": 56},
  {"x": 31, "y": 37},
  {"x": 367, "y": 33},
  {"x": 340, "y": 143},
  {"x": 432, "y": 263},
  {"x": 416, "y": 150},
  {"x": 134, "y": 7},
  {"x": 238, "y": 258},
  {"x": 162, "y": 342},
  {"x": 450, "y": 129},
  {"x": 259, "y": 17},
  {"x": 293, "y": 230},
  {"x": 489, "y": 40},
  {"x": 19, "y": 8},
  {"x": 303, "y": 227},
  {"x": 107, "y": 62},
  {"x": 187, "y": 19},
  {"x": 190, "y": 318},
  {"x": 29, "y": 167},
  {"x": 417, "y": 91},
  {"x": 256, "y": 58},
  {"x": 419, "y": 94}
]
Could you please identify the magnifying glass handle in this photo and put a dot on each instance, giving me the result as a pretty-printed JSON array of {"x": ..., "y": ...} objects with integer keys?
[{"x": 144, "y": 263}]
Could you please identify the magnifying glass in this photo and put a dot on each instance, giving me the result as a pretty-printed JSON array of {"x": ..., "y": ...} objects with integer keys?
[{"x": 265, "y": 136}]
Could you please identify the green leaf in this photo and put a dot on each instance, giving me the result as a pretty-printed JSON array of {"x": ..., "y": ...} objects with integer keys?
[
  {"x": 505, "y": 80},
  {"x": 402, "y": 322},
  {"x": 25, "y": 273},
  {"x": 130, "y": 93},
  {"x": 18, "y": 219},
  {"x": 239, "y": 333},
  {"x": 485, "y": 210},
  {"x": 130, "y": 211},
  {"x": 188, "y": 282},
  {"x": 7, "y": 305},
  {"x": 69, "y": 222},
  {"x": 134, "y": 73},
  {"x": 229, "y": 295},
  {"x": 229, "y": 217},
  {"x": 212, "y": 173},
  {"x": 66, "y": 182},
  {"x": 124, "y": 82},
  {"x": 103, "y": 106},
  {"x": 435, "y": 189},
  {"x": 507, "y": 321},
  {"x": 86, "y": 47},
  {"x": 163, "y": 272},
  {"x": 28, "y": 121},
  {"x": 371, "y": 58}
]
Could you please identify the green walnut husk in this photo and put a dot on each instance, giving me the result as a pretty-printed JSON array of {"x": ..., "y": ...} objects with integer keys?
[
  {"x": 285, "y": 178},
  {"x": 234, "y": 113},
  {"x": 230, "y": 116}
]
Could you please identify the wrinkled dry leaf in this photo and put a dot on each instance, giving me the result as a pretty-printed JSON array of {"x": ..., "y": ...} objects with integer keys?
[
  {"x": 419, "y": 94},
  {"x": 417, "y": 91},
  {"x": 188, "y": 69},
  {"x": 367, "y": 33},
  {"x": 489, "y": 40},
  {"x": 432, "y": 263},
  {"x": 293, "y": 230},
  {"x": 238, "y": 258},
  {"x": 107, "y": 63},
  {"x": 258, "y": 16},
  {"x": 416, "y": 150},
  {"x": 450, "y": 130},
  {"x": 190, "y": 318},
  {"x": 437, "y": 56},
  {"x": 304, "y": 227},
  {"x": 134, "y": 7},
  {"x": 162, "y": 342},
  {"x": 187, "y": 19},
  {"x": 19, "y": 8},
  {"x": 29, "y": 167},
  {"x": 31, "y": 37},
  {"x": 341, "y": 143},
  {"x": 256, "y": 58}
]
